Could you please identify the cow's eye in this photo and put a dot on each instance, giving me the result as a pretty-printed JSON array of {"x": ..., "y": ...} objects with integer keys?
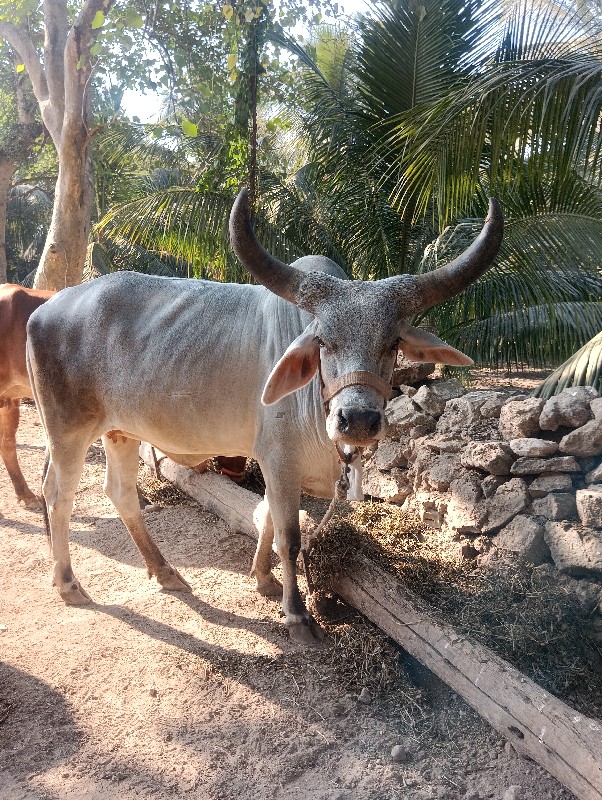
[
  {"x": 395, "y": 345},
  {"x": 320, "y": 342}
]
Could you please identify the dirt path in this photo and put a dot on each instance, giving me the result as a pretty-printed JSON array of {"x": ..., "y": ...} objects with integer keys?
[{"x": 151, "y": 694}]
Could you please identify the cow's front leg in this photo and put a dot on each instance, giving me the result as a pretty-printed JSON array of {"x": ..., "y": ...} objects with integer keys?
[
  {"x": 120, "y": 487},
  {"x": 266, "y": 584},
  {"x": 284, "y": 509},
  {"x": 9, "y": 422}
]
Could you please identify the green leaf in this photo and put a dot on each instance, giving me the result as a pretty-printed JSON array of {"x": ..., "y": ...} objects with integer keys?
[
  {"x": 133, "y": 19},
  {"x": 96, "y": 49},
  {"x": 98, "y": 21},
  {"x": 189, "y": 128}
]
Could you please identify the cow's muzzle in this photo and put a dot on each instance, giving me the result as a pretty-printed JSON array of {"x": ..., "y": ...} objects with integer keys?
[
  {"x": 358, "y": 425},
  {"x": 356, "y": 418}
]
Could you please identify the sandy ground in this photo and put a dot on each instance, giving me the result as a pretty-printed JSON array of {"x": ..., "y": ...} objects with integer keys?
[{"x": 152, "y": 694}]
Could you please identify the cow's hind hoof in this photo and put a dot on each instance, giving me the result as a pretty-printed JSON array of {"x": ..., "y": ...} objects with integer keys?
[
  {"x": 32, "y": 503},
  {"x": 307, "y": 632},
  {"x": 170, "y": 579},
  {"x": 73, "y": 594},
  {"x": 270, "y": 587}
]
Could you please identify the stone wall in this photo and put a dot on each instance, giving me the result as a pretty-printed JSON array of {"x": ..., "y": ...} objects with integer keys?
[{"x": 502, "y": 472}]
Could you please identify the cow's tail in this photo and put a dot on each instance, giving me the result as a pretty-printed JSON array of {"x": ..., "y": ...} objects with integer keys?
[{"x": 44, "y": 506}]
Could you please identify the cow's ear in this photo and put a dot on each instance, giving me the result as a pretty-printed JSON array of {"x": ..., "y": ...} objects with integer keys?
[
  {"x": 295, "y": 369},
  {"x": 420, "y": 345}
]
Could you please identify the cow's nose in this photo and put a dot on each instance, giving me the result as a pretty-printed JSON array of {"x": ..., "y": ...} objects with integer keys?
[{"x": 362, "y": 423}]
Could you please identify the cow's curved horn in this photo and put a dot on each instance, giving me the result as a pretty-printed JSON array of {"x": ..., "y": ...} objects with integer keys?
[
  {"x": 447, "y": 281},
  {"x": 275, "y": 275}
]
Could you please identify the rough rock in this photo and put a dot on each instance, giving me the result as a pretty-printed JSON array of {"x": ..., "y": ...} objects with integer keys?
[
  {"x": 491, "y": 483},
  {"x": 595, "y": 476},
  {"x": 431, "y": 508},
  {"x": 571, "y": 408},
  {"x": 556, "y": 505},
  {"x": 446, "y": 389},
  {"x": 589, "y": 505},
  {"x": 535, "y": 466},
  {"x": 492, "y": 457},
  {"x": 442, "y": 473},
  {"x": 596, "y": 407},
  {"x": 532, "y": 448},
  {"x": 462, "y": 412},
  {"x": 509, "y": 500},
  {"x": 575, "y": 549},
  {"x": 429, "y": 401},
  {"x": 407, "y": 372},
  {"x": 465, "y": 512},
  {"x": 520, "y": 418},
  {"x": 389, "y": 454},
  {"x": 558, "y": 482},
  {"x": 584, "y": 441},
  {"x": 392, "y": 486},
  {"x": 524, "y": 536},
  {"x": 403, "y": 415},
  {"x": 445, "y": 443},
  {"x": 491, "y": 408}
]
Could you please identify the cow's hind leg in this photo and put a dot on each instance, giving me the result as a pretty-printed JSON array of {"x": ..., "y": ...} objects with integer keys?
[
  {"x": 9, "y": 422},
  {"x": 61, "y": 478},
  {"x": 120, "y": 486}
]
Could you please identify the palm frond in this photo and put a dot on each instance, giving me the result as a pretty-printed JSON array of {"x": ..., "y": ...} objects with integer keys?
[{"x": 584, "y": 368}]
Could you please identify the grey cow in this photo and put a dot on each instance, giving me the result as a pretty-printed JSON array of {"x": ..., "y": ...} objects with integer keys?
[{"x": 290, "y": 373}]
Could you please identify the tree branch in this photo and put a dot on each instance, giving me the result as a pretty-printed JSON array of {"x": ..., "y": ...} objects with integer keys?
[{"x": 22, "y": 44}]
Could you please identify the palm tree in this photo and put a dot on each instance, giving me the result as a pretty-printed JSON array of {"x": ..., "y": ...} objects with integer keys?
[{"x": 403, "y": 129}]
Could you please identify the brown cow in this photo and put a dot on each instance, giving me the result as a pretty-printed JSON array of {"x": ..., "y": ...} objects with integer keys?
[{"x": 16, "y": 306}]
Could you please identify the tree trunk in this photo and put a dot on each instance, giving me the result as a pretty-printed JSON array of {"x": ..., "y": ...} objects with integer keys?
[
  {"x": 61, "y": 85},
  {"x": 64, "y": 253}
]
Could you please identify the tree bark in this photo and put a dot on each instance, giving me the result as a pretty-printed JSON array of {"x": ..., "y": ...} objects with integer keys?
[{"x": 61, "y": 86}]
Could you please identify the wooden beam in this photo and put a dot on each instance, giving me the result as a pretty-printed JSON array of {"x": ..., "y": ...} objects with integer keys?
[{"x": 567, "y": 744}]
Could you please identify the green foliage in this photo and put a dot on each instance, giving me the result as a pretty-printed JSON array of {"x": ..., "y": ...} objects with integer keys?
[{"x": 584, "y": 368}]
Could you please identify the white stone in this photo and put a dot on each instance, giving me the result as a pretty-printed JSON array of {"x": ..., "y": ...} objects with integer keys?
[
  {"x": 584, "y": 441},
  {"x": 524, "y": 537},
  {"x": 429, "y": 401},
  {"x": 533, "y": 448},
  {"x": 575, "y": 549},
  {"x": 520, "y": 418},
  {"x": 589, "y": 505},
  {"x": 569, "y": 408},
  {"x": 492, "y": 457}
]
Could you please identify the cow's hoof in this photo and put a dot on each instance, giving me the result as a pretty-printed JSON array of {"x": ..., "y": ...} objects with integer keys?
[
  {"x": 307, "y": 632},
  {"x": 170, "y": 578},
  {"x": 269, "y": 587},
  {"x": 32, "y": 503},
  {"x": 73, "y": 594}
]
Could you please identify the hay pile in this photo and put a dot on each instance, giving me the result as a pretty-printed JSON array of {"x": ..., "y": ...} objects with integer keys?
[{"x": 526, "y": 614}]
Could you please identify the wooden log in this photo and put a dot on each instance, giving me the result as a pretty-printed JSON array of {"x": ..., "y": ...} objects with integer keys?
[
  {"x": 216, "y": 493},
  {"x": 566, "y": 743}
]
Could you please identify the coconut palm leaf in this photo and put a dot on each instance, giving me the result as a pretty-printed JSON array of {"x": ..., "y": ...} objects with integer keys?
[
  {"x": 584, "y": 368},
  {"x": 531, "y": 105}
]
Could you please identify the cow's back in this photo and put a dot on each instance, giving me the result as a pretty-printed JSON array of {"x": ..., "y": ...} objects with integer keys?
[
  {"x": 180, "y": 363},
  {"x": 16, "y": 306}
]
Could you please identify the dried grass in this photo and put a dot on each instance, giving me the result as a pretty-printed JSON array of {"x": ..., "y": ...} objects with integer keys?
[{"x": 523, "y": 613}]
